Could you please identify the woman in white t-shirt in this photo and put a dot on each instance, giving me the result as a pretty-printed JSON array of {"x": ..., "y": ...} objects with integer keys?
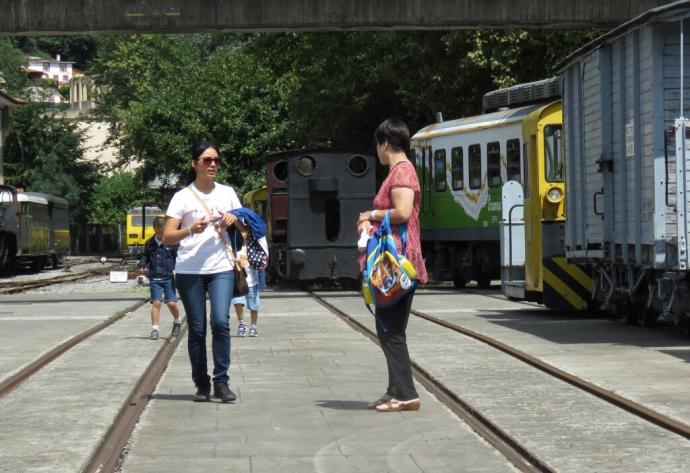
[{"x": 204, "y": 265}]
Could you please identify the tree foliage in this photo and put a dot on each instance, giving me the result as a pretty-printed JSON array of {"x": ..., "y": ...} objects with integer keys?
[
  {"x": 255, "y": 93},
  {"x": 43, "y": 154},
  {"x": 163, "y": 93},
  {"x": 11, "y": 60},
  {"x": 114, "y": 195}
]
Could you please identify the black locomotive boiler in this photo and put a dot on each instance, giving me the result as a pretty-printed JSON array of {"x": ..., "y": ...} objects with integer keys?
[{"x": 314, "y": 199}]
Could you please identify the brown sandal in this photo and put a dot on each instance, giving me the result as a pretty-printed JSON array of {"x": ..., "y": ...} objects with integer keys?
[{"x": 396, "y": 406}]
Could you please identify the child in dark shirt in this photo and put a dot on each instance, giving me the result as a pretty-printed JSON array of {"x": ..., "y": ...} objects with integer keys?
[{"x": 159, "y": 260}]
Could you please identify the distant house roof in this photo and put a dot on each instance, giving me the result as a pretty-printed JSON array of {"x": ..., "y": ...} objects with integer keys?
[
  {"x": 50, "y": 60},
  {"x": 7, "y": 101}
]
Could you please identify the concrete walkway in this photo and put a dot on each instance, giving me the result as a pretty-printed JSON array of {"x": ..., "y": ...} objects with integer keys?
[{"x": 303, "y": 386}]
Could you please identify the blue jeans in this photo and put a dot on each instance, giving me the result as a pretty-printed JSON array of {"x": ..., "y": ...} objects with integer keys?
[
  {"x": 251, "y": 300},
  {"x": 162, "y": 290},
  {"x": 192, "y": 289}
]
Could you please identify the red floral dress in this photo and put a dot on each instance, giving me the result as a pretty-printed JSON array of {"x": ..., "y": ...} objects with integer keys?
[{"x": 402, "y": 175}]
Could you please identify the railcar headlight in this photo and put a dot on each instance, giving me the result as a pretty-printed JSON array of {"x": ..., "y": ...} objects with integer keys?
[{"x": 554, "y": 195}]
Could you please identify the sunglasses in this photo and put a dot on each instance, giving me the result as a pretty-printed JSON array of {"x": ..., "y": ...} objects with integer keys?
[{"x": 207, "y": 160}]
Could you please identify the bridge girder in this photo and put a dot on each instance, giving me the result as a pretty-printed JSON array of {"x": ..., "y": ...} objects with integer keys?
[{"x": 36, "y": 17}]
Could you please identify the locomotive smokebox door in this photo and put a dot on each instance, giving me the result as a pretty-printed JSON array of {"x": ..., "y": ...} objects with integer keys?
[{"x": 327, "y": 189}]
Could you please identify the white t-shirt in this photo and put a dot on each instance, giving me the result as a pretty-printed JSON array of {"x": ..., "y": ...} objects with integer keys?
[{"x": 202, "y": 253}]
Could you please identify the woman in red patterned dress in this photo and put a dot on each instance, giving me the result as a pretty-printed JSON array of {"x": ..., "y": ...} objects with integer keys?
[{"x": 399, "y": 194}]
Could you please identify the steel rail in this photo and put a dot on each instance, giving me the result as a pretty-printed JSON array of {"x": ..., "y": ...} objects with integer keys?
[
  {"x": 108, "y": 455},
  {"x": 520, "y": 456},
  {"x": 626, "y": 404},
  {"x": 20, "y": 286},
  {"x": 29, "y": 370}
]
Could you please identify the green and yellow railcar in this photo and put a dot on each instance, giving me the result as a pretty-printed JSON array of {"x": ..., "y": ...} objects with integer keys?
[{"x": 461, "y": 165}]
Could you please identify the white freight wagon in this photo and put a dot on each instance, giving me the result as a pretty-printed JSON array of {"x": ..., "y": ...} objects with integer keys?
[{"x": 625, "y": 99}]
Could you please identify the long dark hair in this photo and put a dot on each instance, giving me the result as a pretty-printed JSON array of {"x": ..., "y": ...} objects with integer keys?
[{"x": 198, "y": 148}]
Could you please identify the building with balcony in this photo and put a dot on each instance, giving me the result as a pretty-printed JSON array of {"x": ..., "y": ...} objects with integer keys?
[{"x": 61, "y": 71}]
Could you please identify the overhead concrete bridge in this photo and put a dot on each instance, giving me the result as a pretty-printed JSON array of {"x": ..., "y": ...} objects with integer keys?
[{"x": 21, "y": 17}]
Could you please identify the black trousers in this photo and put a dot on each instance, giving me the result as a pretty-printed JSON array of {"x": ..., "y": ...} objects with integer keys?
[{"x": 390, "y": 328}]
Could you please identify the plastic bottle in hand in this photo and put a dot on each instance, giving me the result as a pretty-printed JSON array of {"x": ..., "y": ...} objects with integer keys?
[{"x": 363, "y": 239}]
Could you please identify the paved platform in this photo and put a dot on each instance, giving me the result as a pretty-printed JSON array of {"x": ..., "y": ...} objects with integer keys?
[
  {"x": 303, "y": 386},
  {"x": 570, "y": 430},
  {"x": 648, "y": 365},
  {"x": 55, "y": 420},
  {"x": 33, "y": 325}
]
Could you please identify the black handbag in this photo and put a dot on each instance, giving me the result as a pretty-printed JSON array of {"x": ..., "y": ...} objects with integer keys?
[{"x": 241, "y": 286}]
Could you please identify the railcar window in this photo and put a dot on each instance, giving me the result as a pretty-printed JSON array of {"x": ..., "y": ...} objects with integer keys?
[
  {"x": 553, "y": 159},
  {"x": 440, "y": 170},
  {"x": 525, "y": 172},
  {"x": 475, "y": 166},
  {"x": 513, "y": 160},
  {"x": 456, "y": 168},
  {"x": 138, "y": 219},
  {"x": 493, "y": 164}
]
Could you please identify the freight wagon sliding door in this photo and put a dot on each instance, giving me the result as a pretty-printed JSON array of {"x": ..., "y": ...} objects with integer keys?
[{"x": 583, "y": 144}]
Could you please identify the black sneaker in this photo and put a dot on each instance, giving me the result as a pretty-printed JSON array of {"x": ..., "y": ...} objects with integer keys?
[
  {"x": 203, "y": 394},
  {"x": 176, "y": 330},
  {"x": 223, "y": 392}
]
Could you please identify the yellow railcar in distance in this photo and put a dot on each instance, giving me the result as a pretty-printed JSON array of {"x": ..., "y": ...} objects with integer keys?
[
  {"x": 139, "y": 227},
  {"x": 257, "y": 200}
]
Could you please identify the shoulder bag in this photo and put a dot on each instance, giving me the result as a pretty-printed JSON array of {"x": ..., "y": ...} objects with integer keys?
[{"x": 241, "y": 287}]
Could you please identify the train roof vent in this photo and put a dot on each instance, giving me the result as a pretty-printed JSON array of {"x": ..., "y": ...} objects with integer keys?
[{"x": 522, "y": 94}]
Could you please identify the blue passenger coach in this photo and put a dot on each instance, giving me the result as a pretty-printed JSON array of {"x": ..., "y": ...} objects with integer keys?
[{"x": 625, "y": 102}]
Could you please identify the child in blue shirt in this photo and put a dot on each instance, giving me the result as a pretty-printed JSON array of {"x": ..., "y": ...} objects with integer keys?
[{"x": 159, "y": 260}]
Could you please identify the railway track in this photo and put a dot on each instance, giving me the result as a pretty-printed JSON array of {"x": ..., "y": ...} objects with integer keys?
[
  {"x": 511, "y": 448},
  {"x": 14, "y": 287},
  {"x": 633, "y": 407},
  {"x": 29, "y": 370},
  {"x": 109, "y": 452}
]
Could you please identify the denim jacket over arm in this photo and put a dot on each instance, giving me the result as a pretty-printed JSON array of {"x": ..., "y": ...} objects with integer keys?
[{"x": 160, "y": 260}]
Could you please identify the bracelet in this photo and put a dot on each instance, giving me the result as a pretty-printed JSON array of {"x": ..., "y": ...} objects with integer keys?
[
  {"x": 190, "y": 230},
  {"x": 372, "y": 215}
]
